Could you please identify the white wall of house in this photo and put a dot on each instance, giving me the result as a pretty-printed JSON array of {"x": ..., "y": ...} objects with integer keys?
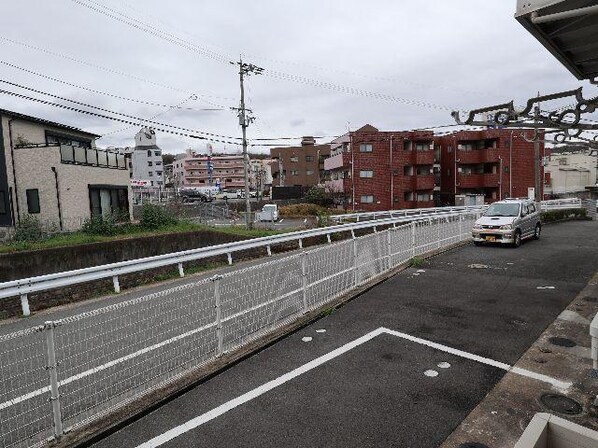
[
  {"x": 570, "y": 172},
  {"x": 146, "y": 159},
  {"x": 34, "y": 171}
]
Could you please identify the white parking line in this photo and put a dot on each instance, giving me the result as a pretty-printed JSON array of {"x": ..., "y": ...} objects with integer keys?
[{"x": 270, "y": 385}]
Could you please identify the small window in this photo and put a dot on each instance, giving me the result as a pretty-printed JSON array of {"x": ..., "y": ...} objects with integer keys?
[
  {"x": 157, "y": 153},
  {"x": 309, "y": 158},
  {"x": 366, "y": 173},
  {"x": 450, "y": 149},
  {"x": 367, "y": 199},
  {"x": 32, "y": 200},
  {"x": 294, "y": 172},
  {"x": 309, "y": 172},
  {"x": 149, "y": 153},
  {"x": 149, "y": 163},
  {"x": 294, "y": 159},
  {"x": 150, "y": 174},
  {"x": 448, "y": 171},
  {"x": 3, "y": 207},
  {"x": 365, "y": 147}
]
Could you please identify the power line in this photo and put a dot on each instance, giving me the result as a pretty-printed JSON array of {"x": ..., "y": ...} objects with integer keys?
[
  {"x": 157, "y": 126},
  {"x": 99, "y": 92},
  {"x": 41, "y": 92},
  {"x": 169, "y": 37},
  {"x": 110, "y": 70}
]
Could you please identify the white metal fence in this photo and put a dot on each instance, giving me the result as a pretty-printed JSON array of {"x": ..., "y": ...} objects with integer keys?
[{"x": 69, "y": 373}]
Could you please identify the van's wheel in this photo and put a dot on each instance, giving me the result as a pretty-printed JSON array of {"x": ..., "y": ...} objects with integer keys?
[
  {"x": 517, "y": 240},
  {"x": 185, "y": 199},
  {"x": 478, "y": 243},
  {"x": 537, "y": 231}
]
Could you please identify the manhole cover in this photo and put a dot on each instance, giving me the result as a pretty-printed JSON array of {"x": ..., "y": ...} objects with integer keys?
[
  {"x": 561, "y": 404},
  {"x": 563, "y": 342},
  {"x": 590, "y": 299},
  {"x": 473, "y": 445}
]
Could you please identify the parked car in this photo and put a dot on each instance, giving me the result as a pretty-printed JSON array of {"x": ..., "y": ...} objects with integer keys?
[
  {"x": 508, "y": 222},
  {"x": 224, "y": 195},
  {"x": 241, "y": 194},
  {"x": 191, "y": 195},
  {"x": 269, "y": 213}
]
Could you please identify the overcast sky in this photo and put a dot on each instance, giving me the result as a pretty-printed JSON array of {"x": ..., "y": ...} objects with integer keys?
[{"x": 454, "y": 54}]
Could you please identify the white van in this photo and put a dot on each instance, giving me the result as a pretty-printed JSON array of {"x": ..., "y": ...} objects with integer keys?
[{"x": 269, "y": 213}]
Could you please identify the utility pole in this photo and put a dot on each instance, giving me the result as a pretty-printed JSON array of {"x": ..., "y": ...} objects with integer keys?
[
  {"x": 538, "y": 196},
  {"x": 244, "y": 121}
]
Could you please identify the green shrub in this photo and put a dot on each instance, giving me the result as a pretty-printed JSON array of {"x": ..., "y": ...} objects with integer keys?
[
  {"x": 29, "y": 229},
  {"x": 100, "y": 225},
  {"x": 318, "y": 196},
  {"x": 154, "y": 217},
  {"x": 301, "y": 210},
  {"x": 564, "y": 214}
]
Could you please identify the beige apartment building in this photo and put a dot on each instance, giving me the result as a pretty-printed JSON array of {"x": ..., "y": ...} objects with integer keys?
[{"x": 55, "y": 173}]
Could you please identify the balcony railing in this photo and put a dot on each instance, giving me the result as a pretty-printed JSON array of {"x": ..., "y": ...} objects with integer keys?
[
  {"x": 489, "y": 155},
  {"x": 92, "y": 157},
  {"x": 477, "y": 180}
]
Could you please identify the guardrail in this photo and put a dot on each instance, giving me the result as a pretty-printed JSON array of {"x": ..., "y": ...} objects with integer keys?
[
  {"x": 544, "y": 205},
  {"x": 594, "y": 336},
  {"x": 26, "y": 286},
  {"x": 556, "y": 204},
  {"x": 65, "y": 375},
  {"x": 405, "y": 213}
]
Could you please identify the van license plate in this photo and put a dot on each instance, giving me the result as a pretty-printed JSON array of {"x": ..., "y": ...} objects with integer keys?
[{"x": 491, "y": 238}]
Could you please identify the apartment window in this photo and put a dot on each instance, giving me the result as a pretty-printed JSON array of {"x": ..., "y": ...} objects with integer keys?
[
  {"x": 309, "y": 172},
  {"x": 450, "y": 149},
  {"x": 66, "y": 140},
  {"x": 366, "y": 173},
  {"x": 157, "y": 153},
  {"x": 158, "y": 163},
  {"x": 158, "y": 173},
  {"x": 294, "y": 159},
  {"x": 150, "y": 173},
  {"x": 149, "y": 163},
  {"x": 407, "y": 145},
  {"x": 149, "y": 153},
  {"x": 32, "y": 200},
  {"x": 294, "y": 172},
  {"x": 3, "y": 207},
  {"x": 424, "y": 197},
  {"x": 366, "y": 147},
  {"x": 309, "y": 158},
  {"x": 448, "y": 171},
  {"x": 367, "y": 199}
]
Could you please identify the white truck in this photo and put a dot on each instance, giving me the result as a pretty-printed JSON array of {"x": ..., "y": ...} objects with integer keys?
[{"x": 269, "y": 213}]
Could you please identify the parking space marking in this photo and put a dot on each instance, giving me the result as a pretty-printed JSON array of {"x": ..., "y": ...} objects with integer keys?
[{"x": 270, "y": 385}]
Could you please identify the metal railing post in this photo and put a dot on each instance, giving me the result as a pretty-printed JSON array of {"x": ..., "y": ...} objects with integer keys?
[
  {"x": 25, "y": 305},
  {"x": 269, "y": 250},
  {"x": 181, "y": 270},
  {"x": 53, "y": 373},
  {"x": 328, "y": 238},
  {"x": 438, "y": 233},
  {"x": 412, "y": 239},
  {"x": 355, "y": 266},
  {"x": 461, "y": 227},
  {"x": 389, "y": 248},
  {"x": 229, "y": 257},
  {"x": 304, "y": 279},
  {"x": 116, "y": 283},
  {"x": 216, "y": 279},
  {"x": 300, "y": 243}
]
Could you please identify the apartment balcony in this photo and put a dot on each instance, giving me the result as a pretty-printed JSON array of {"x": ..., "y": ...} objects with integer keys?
[
  {"x": 477, "y": 156},
  {"x": 335, "y": 186},
  {"x": 335, "y": 162},
  {"x": 477, "y": 180},
  {"x": 423, "y": 182},
  {"x": 422, "y": 158}
]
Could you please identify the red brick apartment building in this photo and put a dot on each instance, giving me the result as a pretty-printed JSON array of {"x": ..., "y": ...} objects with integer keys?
[
  {"x": 497, "y": 163},
  {"x": 406, "y": 169},
  {"x": 384, "y": 170}
]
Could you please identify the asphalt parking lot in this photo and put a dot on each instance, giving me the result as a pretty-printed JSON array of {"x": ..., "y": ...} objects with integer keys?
[{"x": 462, "y": 316}]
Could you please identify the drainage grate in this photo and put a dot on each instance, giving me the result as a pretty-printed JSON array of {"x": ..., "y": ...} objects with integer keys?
[
  {"x": 563, "y": 342},
  {"x": 473, "y": 445},
  {"x": 561, "y": 404}
]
